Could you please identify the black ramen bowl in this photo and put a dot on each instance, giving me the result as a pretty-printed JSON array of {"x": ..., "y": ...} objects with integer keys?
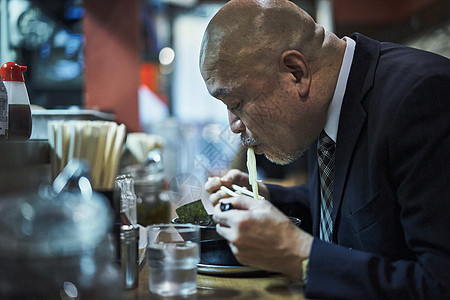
[{"x": 214, "y": 249}]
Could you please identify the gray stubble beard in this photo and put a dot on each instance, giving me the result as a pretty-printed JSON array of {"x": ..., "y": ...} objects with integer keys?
[{"x": 283, "y": 159}]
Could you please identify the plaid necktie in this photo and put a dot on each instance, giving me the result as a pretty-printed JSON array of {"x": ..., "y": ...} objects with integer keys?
[{"x": 325, "y": 159}]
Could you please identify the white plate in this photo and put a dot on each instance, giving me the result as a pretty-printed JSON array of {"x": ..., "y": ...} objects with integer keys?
[{"x": 227, "y": 270}]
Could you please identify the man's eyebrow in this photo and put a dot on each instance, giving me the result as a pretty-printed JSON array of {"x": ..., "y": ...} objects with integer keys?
[{"x": 220, "y": 91}]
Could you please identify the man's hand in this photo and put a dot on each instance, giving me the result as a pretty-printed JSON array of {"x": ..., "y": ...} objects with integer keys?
[
  {"x": 262, "y": 236},
  {"x": 233, "y": 176}
]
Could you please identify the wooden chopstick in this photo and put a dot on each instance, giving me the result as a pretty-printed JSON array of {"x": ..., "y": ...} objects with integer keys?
[
  {"x": 239, "y": 189},
  {"x": 228, "y": 191},
  {"x": 245, "y": 191}
]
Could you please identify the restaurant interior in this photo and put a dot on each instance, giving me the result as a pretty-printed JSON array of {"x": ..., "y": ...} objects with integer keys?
[{"x": 135, "y": 63}]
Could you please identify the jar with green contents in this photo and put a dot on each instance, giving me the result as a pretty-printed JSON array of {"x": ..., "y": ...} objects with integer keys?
[{"x": 152, "y": 205}]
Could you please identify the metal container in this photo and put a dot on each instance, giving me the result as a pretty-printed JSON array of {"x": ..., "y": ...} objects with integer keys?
[
  {"x": 40, "y": 118},
  {"x": 24, "y": 165},
  {"x": 129, "y": 255}
]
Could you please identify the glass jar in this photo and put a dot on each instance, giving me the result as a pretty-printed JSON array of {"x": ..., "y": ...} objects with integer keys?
[{"x": 152, "y": 205}]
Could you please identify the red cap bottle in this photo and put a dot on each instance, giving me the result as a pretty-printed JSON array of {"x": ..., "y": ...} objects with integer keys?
[
  {"x": 11, "y": 71},
  {"x": 19, "y": 111}
]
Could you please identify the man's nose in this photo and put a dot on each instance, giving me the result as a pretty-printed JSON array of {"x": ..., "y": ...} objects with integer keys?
[{"x": 236, "y": 124}]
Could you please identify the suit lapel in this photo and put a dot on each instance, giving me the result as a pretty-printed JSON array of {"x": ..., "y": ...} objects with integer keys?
[{"x": 353, "y": 114}]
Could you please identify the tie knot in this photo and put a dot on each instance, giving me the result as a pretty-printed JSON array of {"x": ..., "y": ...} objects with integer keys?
[{"x": 325, "y": 142}]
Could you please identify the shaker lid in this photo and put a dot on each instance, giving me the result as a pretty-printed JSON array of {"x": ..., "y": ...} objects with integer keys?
[{"x": 12, "y": 71}]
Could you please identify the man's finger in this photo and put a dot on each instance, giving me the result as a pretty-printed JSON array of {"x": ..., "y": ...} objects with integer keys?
[
  {"x": 227, "y": 233},
  {"x": 241, "y": 202},
  {"x": 230, "y": 175},
  {"x": 233, "y": 248},
  {"x": 213, "y": 184},
  {"x": 235, "y": 176},
  {"x": 231, "y": 218},
  {"x": 214, "y": 198}
]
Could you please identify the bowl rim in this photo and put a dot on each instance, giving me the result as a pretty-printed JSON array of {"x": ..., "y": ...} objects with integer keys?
[
  {"x": 296, "y": 221},
  {"x": 176, "y": 221}
]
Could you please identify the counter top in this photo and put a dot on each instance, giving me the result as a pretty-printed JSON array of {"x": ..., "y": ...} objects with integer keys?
[{"x": 260, "y": 286}]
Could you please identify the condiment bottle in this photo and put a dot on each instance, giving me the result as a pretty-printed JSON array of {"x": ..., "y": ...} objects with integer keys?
[
  {"x": 3, "y": 111},
  {"x": 125, "y": 183},
  {"x": 19, "y": 111}
]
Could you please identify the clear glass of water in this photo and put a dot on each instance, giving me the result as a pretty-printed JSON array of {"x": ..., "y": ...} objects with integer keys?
[{"x": 173, "y": 252}]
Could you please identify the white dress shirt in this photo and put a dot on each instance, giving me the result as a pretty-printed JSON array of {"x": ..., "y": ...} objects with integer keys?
[{"x": 334, "y": 111}]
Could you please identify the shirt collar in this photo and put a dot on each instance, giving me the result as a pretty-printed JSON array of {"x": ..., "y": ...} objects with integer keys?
[{"x": 334, "y": 111}]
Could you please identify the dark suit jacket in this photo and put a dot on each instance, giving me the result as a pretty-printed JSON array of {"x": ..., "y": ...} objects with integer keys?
[{"x": 392, "y": 181}]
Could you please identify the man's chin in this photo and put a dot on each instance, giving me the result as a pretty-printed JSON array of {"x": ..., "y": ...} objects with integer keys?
[
  {"x": 283, "y": 160},
  {"x": 277, "y": 161},
  {"x": 258, "y": 150}
]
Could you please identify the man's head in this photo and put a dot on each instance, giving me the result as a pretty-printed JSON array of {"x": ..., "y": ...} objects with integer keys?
[{"x": 266, "y": 60}]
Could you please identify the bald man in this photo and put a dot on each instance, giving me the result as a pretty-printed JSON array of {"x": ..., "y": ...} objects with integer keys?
[{"x": 383, "y": 108}]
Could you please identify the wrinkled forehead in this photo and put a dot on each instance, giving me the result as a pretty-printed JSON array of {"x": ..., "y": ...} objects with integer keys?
[
  {"x": 226, "y": 42},
  {"x": 239, "y": 52}
]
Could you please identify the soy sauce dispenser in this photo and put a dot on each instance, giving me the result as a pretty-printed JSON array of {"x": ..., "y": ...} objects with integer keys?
[
  {"x": 3, "y": 111},
  {"x": 19, "y": 111}
]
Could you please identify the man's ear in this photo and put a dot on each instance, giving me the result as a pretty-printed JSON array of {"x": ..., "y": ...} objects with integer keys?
[{"x": 294, "y": 62}]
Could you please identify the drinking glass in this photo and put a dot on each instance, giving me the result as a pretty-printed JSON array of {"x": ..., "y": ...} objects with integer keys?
[{"x": 173, "y": 253}]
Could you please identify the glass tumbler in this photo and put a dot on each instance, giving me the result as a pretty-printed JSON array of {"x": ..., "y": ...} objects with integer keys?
[{"x": 173, "y": 252}]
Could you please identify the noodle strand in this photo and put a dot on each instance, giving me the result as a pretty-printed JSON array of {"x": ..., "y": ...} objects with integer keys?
[{"x": 252, "y": 172}]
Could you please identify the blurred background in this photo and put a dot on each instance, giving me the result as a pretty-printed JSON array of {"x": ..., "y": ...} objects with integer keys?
[{"x": 138, "y": 60}]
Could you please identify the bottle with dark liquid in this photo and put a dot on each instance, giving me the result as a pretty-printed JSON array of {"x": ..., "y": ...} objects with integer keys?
[
  {"x": 3, "y": 111},
  {"x": 19, "y": 111}
]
